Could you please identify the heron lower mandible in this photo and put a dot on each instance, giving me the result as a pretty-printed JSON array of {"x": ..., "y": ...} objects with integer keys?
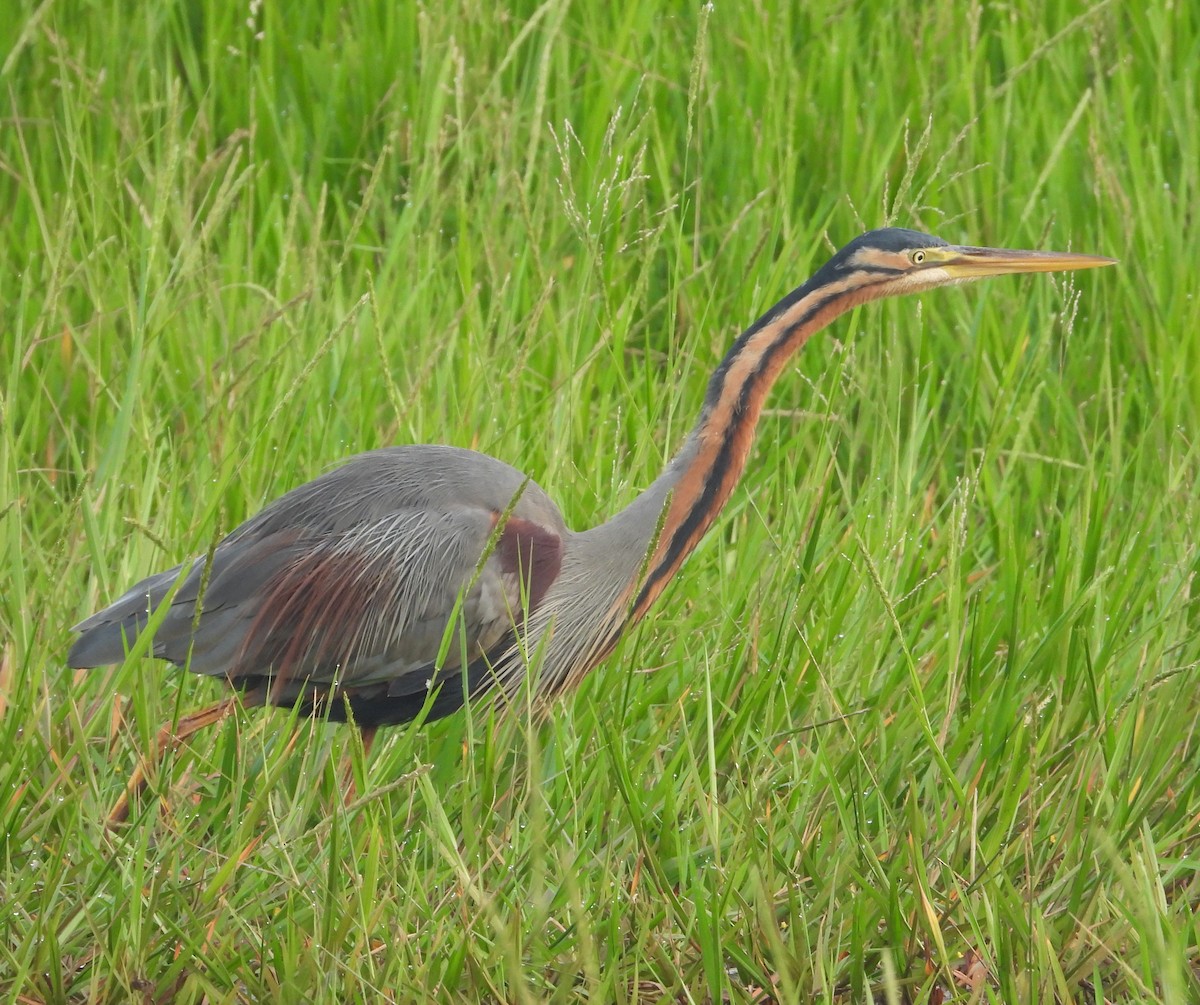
[{"x": 413, "y": 579}]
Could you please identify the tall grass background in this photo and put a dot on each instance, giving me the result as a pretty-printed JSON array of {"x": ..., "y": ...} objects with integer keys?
[{"x": 918, "y": 721}]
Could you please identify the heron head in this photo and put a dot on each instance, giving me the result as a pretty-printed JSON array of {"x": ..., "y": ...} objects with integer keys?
[{"x": 892, "y": 261}]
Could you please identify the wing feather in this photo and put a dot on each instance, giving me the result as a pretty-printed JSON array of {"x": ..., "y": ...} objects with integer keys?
[{"x": 352, "y": 581}]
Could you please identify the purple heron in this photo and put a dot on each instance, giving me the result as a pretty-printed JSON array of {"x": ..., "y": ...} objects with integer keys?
[{"x": 415, "y": 578}]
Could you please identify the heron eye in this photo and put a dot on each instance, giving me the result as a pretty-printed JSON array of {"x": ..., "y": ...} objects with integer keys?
[{"x": 917, "y": 257}]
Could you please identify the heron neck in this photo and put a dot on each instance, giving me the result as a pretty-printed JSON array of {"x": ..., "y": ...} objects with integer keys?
[{"x": 663, "y": 525}]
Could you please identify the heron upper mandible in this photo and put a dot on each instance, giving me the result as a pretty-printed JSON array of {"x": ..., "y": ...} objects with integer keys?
[{"x": 413, "y": 579}]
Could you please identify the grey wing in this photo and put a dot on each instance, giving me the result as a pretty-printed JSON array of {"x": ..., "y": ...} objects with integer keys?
[
  {"x": 105, "y": 637},
  {"x": 354, "y": 578}
]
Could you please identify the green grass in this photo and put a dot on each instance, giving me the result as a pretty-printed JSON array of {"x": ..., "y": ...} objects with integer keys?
[{"x": 929, "y": 689}]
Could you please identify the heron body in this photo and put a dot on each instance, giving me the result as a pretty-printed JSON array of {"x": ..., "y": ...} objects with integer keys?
[{"x": 415, "y": 578}]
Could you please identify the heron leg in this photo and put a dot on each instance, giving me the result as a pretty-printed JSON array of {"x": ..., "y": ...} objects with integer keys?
[{"x": 169, "y": 738}]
